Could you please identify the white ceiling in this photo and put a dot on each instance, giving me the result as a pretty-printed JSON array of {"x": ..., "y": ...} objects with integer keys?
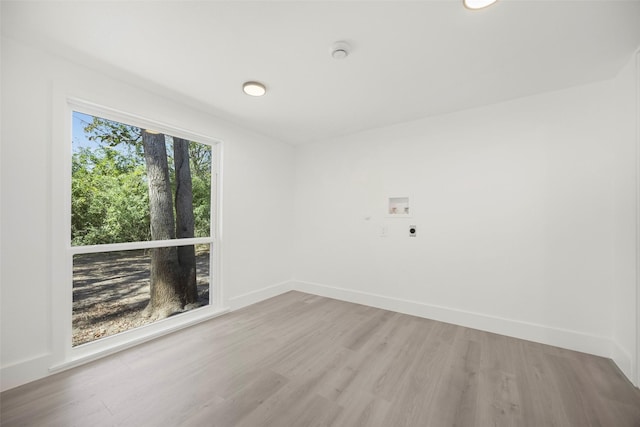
[{"x": 410, "y": 59}]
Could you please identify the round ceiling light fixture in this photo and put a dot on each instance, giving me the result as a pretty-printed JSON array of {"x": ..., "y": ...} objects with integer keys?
[
  {"x": 477, "y": 4},
  {"x": 340, "y": 50},
  {"x": 254, "y": 88}
]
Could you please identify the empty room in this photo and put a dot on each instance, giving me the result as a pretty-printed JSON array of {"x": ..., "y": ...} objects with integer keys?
[{"x": 320, "y": 213}]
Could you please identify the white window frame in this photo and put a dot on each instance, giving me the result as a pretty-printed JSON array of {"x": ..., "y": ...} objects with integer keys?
[{"x": 64, "y": 355}]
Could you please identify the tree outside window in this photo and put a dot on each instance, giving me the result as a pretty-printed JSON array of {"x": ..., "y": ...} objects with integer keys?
[{"x": 130, "y": 185}]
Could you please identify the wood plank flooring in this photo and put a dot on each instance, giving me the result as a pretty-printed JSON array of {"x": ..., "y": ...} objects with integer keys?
[{"x": 303, "y": 360}]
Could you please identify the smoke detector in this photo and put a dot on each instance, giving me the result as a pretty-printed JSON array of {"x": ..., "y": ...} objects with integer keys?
[{"x": 340, "y": 50}]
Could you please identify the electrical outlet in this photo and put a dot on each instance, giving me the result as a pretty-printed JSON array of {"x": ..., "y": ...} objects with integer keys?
[{"x": 412, "y": 230}]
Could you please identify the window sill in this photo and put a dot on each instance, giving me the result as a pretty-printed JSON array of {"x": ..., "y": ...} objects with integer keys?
[{"x": 89, "y": 352}]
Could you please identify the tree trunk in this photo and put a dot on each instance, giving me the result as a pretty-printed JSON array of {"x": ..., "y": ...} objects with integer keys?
[
  {"x": 185, "y": 221},
  {"x": 165, "y": 268}
]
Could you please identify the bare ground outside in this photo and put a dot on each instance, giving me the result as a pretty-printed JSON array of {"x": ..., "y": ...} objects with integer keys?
[{"x": 111, "y": 289}]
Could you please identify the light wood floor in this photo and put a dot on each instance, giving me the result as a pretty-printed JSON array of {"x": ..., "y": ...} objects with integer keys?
[{"x": 303, "y": 360}]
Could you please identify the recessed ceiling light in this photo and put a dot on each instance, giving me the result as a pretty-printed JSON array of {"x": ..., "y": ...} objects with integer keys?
[
  {"x": 477, "y": 4},
  {"x": 254, "y": 88}
]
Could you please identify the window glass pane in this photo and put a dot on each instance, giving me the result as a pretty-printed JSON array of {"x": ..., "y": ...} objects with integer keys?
[
  {"x": 130, "y": 184},
  {"x": 111, "y": 290}
]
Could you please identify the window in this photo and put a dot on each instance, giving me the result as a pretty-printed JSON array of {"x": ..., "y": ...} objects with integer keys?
[
  {"x": 134, "y": 189},
  {"x": 136, "y": 231}
]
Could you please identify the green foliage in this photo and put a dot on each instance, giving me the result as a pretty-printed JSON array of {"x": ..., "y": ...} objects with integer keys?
[
  {"x": 113, "y": 133},
  {"x": 110, "y": 199},
  {"x": 200, "y": 165}
]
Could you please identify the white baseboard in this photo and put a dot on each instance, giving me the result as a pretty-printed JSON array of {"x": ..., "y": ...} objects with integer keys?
[
  {"x": 30, "y": 370},
  {"x": 244, "y": 300},
  {"x": 623, "y": 359},
  {"x": 20, "y": 373},
  {"x": 572, "y": 340}
]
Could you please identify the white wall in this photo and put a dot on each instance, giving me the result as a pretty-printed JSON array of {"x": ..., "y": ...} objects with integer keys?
[
  {"x": 257, "y": 196},
  {"x": 624, "y": 115},
  {"x": 520, "y": 216},
  {"x": 525, "y": 212}
]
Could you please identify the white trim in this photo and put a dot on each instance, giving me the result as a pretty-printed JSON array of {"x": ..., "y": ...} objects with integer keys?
[
  {"x": 636, "y": 364},
  {"x": 623, "y": 360},
  {"x": 76, "y": 103},
  {"x": 253, "y": 297},
  {"x": 216, "y": 290},
  {"x": 572, "y": 340},
  {"x": 111, "y": 247},
  {"x": 115, "y": 343},
  {"x": 25, "y": 371},
  {"x": 62, "y": 353},
  {"x": 61, "y": 279}
]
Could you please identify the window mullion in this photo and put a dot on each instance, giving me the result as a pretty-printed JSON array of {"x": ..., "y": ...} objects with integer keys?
[{"x": 138, "y": 245}]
